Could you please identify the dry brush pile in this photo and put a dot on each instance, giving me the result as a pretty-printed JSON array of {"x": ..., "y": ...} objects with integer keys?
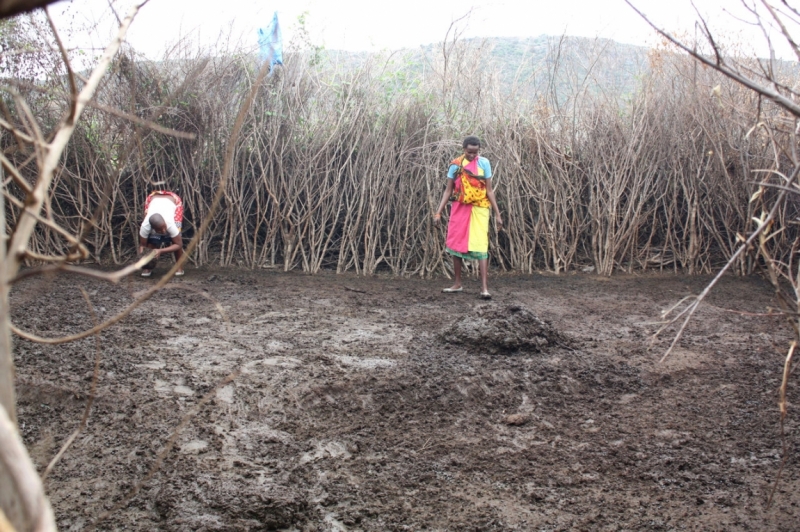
[{"x": 339, "y": 165}]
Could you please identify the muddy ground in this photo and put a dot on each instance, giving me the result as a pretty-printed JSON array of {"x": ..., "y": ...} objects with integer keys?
[{"x": 370, "y": 404}]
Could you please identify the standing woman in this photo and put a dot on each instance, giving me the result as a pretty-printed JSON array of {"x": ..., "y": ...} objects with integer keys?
[{"x": 470, "y": 177}]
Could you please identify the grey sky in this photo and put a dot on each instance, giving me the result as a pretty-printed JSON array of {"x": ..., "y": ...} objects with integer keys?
[{"x": 374, "y": 25}]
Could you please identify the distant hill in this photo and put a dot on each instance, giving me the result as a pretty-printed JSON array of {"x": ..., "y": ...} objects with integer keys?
[
  {"x": 574, "y": 61},
  {"x": 527, "y": 65}
]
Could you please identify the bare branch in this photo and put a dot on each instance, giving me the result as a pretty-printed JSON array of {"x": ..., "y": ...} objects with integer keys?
[
  {"x": 20, "y": 135},
  {"x": 783, "y": 28},
  {"x": 226, "y": 172},
  {"x": 18, "y": 179},
  {"x": 16, "y": 462},
  {"x": 145, "y": 122},
  {"x": 73, "y": 88},
  {"x": 49, "y": 223},
  {"x": 767, "y": 92},
  {"x": 792, "y": 9},
  {"x": 689, "y": 311},
  {"x": 150, "y": 124},
  {"x": 113, "y": 277}
]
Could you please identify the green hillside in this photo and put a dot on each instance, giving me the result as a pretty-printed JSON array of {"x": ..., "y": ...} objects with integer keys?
[{"x": 523, "y": 66}]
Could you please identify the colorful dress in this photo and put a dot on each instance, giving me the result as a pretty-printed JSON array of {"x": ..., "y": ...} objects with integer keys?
[{"x": 468, "y": 229}]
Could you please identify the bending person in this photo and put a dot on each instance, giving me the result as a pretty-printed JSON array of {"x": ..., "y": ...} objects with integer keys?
[
  {"x": 162, "y": 227},
  {"x": 470, "y": 178}
]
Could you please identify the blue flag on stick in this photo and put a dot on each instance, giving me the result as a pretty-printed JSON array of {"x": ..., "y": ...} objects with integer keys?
[{"x": 270, "y": 43}]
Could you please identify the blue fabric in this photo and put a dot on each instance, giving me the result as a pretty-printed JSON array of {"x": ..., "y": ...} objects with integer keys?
[
  {"x": 270, "y": 43},
  {"x": 483, "y": 162}
]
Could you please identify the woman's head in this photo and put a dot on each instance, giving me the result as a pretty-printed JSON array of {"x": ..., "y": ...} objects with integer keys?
[
  {"x": 471, "y": 141},
  {"x": 471, "y": 147}
]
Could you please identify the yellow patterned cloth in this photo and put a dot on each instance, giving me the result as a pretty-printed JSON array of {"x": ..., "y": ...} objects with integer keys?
[
  {"x": 479, "y": 229},
  {"x": 470, "y": 186}
]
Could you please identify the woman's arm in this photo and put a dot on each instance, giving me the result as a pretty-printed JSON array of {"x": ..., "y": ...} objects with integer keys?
[
  {"x": 448, "y": 191},
  {"x": 490, "y": 195}
]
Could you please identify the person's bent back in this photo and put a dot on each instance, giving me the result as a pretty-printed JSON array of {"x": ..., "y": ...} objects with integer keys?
[{"x": 162, "y": 227}]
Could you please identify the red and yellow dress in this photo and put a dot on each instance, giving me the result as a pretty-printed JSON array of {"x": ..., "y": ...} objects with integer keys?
[{"x": 468, "y": 228}]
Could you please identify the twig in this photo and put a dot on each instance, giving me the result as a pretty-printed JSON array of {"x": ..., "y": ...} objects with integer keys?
[
  {"x": 425, "y": 445},
  {"x": 18, "y": 179},
  {"x": 349, "y": 289},
  {"x": 784, "y": 407},
  {"x": 73, "y": 108},
  {"x": 112, "y": 277}
]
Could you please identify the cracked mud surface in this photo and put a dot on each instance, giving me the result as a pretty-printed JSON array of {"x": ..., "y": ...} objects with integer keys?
[{"x": 368, "y": 404}]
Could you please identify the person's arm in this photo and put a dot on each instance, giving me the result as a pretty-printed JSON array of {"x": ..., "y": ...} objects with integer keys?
[
  {"x": 177, "y": 244},
  {"x": 144, "y": 232},
  {"x": 490, "y": 195},
  {"x": 448, "y": 191}
]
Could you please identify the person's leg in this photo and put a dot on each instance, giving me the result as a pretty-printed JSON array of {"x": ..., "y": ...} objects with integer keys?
[
  {"x": 483, "y": 265},
  {"x": 178, "y": 255},
  {"x": 457, "y": 271},
  {"x": 457, "y": 262}
]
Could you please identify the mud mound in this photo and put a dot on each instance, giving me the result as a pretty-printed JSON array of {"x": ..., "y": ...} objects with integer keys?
[{"x": 504, "y": 330}]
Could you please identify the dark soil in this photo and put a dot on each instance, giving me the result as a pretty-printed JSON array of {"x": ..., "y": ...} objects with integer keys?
[{"x": 382, "y": 404}]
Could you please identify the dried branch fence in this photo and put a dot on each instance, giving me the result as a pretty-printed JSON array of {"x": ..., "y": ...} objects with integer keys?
[{"x": 340, "y": 166}]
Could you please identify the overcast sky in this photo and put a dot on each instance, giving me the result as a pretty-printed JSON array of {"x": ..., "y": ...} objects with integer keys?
[{"x": 386, "y": 25}]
